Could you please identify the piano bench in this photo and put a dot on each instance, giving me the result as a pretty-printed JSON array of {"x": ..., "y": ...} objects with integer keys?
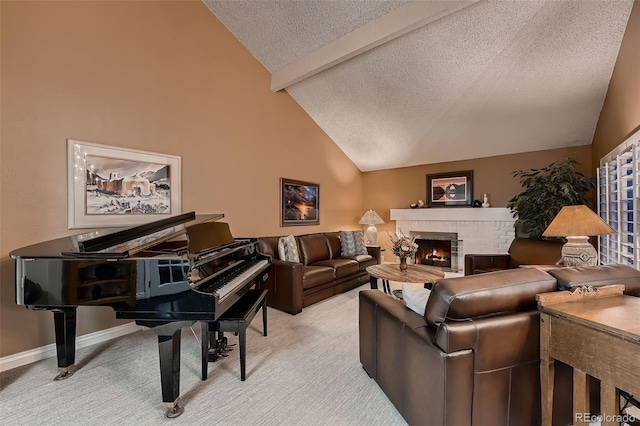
[{"x": 236, "y": 320}]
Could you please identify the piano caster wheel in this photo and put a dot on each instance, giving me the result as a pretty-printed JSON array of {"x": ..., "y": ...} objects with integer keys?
[
  {"x": 174, "y": 412},
  {"x": 63, "y": 375}
]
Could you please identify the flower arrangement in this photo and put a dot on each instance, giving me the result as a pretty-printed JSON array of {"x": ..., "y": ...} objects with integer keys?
[{"x": 403, "y": 246}]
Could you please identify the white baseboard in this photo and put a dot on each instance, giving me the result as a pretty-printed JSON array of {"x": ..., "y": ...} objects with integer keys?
[{"x": 27, "y": 357}]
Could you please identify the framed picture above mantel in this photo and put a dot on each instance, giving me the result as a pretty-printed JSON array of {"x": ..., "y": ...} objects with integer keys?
[{"x": 450, "y": 189}]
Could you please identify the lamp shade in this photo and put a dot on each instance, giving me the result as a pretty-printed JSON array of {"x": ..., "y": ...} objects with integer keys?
[
  {"x": 574, "y": 221},
  {"x": 577, "y": 224},
  {"x": 370, "y": 218}
]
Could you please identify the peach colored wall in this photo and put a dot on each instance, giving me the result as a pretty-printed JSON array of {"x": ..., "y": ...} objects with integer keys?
[
  {"x": 157, "y": 76},
  {"x": 620, "y": 113},
  {"x": 168, "y": 77},
  {"x": 397, "y": 188}
]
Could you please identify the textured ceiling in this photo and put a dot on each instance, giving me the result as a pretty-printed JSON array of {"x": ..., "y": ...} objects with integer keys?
[{"x": 492, "y": 78}]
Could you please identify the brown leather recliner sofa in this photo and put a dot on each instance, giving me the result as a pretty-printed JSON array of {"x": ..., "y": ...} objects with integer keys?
[
  {"x": 522, "y": 251},
  {"x": 321, "y": 273},
  {"x": 473, "y": 358}
]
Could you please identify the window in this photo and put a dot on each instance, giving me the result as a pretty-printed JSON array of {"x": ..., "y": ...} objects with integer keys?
[{"x": 619, "y": 203}]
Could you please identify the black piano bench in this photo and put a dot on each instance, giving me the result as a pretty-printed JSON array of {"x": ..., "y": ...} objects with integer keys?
[{"x": 236, "y": 320}]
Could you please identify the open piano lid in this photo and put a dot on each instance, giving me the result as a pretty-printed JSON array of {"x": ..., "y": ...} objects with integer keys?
[{"x": 117, "y": 243}]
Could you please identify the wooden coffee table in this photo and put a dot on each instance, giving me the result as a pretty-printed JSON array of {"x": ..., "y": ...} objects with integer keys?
[{"x": 414, "y": 274}]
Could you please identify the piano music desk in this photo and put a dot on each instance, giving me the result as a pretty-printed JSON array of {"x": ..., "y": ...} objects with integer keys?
[{"x": 236, "y": 320}]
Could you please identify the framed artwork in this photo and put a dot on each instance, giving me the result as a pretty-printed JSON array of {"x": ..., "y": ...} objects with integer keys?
[
  {"x": 111, "y": 187},
  {"x": 450, "y": 189},
  {"x": 299, "y": 202}
]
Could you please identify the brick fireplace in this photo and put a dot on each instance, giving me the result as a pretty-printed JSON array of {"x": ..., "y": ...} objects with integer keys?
[{"x": 478, "y": 230}]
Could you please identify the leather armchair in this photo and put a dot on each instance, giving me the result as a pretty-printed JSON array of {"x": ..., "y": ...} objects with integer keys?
[
  {"x": 472, "y": 359},
  {"x": 522, "y": 251}
]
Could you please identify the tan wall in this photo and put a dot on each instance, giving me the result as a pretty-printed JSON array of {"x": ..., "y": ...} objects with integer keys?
[
  {"x": 397, "y": 188},
  {"x": 620, "y": 113},
  {"x": 168, "y": 77},
  {"x": 157, "y": 76}
]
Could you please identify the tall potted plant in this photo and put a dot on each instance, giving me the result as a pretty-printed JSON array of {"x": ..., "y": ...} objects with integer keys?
[{"x": 546, "y": 191}]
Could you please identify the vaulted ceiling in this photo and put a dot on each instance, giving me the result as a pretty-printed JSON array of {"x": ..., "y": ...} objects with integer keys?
[{"x": 399, "y": 83}]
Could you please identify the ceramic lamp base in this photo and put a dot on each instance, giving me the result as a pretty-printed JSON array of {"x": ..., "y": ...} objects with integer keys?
[
  {"x": 371, "y": 235},
  {"x": 577, "y": 251}
]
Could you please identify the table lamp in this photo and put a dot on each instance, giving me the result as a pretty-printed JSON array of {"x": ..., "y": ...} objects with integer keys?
[
  {"x": 577, "y": 224},
  {"x": 372, "y": 219}
]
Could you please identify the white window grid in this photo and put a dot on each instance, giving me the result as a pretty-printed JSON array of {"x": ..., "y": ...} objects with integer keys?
[{"x": 619, "y": 203}]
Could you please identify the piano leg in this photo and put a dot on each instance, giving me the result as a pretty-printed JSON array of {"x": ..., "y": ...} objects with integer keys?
[
  {"x": 207, "y": 340},
  {"x": 64, "y": 320},
  {"x": 169, "y": 338},
  {"x": 204, "y": 344}
]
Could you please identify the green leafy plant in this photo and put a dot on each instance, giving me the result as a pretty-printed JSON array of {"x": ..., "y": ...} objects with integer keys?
[{"x": 546, "y": 191}]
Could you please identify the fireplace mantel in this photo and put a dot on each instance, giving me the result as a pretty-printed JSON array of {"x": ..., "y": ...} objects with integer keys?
[
  {"x": 482, "y": 230},
  {"x": 470, "y": 214}
]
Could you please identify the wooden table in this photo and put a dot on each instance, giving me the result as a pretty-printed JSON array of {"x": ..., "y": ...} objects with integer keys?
[
  {"x": 598, "y": 334},
  {"x": 414, "y": 274}
]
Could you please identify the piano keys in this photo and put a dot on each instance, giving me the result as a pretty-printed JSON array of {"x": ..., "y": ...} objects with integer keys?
[{"x": 165, "y": 275}]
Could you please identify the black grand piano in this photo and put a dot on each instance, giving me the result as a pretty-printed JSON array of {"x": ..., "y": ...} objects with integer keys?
[{"x": 165, "y": 275}]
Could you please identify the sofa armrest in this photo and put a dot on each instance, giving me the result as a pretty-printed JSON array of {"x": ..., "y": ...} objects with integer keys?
[
  {"x": 397, "y": 351},
  {"x": 598, "y": 276},
  {"x": 480, "y": 263},
  {"x": 285, "y": 286},
  {"x": 375, "y": 252}
]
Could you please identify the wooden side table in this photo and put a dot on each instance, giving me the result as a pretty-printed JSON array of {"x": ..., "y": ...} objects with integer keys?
[
  {"x": 376, "y": 252},
  {"x": 414, "y": 274},
  {"x": 597, "y": 332}
]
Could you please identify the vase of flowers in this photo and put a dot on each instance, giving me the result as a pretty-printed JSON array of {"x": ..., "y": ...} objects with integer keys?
[
  {"x": 403, "y": 247},
  {"x": 403, "y": 264}
]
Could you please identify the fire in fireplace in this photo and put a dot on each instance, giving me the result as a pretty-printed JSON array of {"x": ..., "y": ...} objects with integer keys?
[{"x": 439, "y": 249}]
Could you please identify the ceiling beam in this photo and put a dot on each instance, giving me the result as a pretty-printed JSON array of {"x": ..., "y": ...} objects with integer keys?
[{"x": 400, "y": 21}]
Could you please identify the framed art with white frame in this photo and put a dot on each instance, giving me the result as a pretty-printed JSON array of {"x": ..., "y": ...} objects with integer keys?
[{"x": 111, "y": 186}]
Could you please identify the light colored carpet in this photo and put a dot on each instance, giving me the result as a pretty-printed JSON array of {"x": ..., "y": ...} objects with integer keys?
[{"x": 305, "y": 372}]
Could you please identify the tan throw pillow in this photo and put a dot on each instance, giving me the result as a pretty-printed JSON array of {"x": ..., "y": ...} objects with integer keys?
[
  {"x": 352, "y": 243},
  {"x": 288, "y": 249}
]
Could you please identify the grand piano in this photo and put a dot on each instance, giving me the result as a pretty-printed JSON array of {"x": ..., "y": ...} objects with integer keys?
[{"x": 165, "y": 275}]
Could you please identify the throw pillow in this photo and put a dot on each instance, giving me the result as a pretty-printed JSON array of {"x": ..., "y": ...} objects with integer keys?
[
  {"x": 352, "y": 243},
  {"x": 415, "y": 298},
  {"x": 288, "y": 249}
]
